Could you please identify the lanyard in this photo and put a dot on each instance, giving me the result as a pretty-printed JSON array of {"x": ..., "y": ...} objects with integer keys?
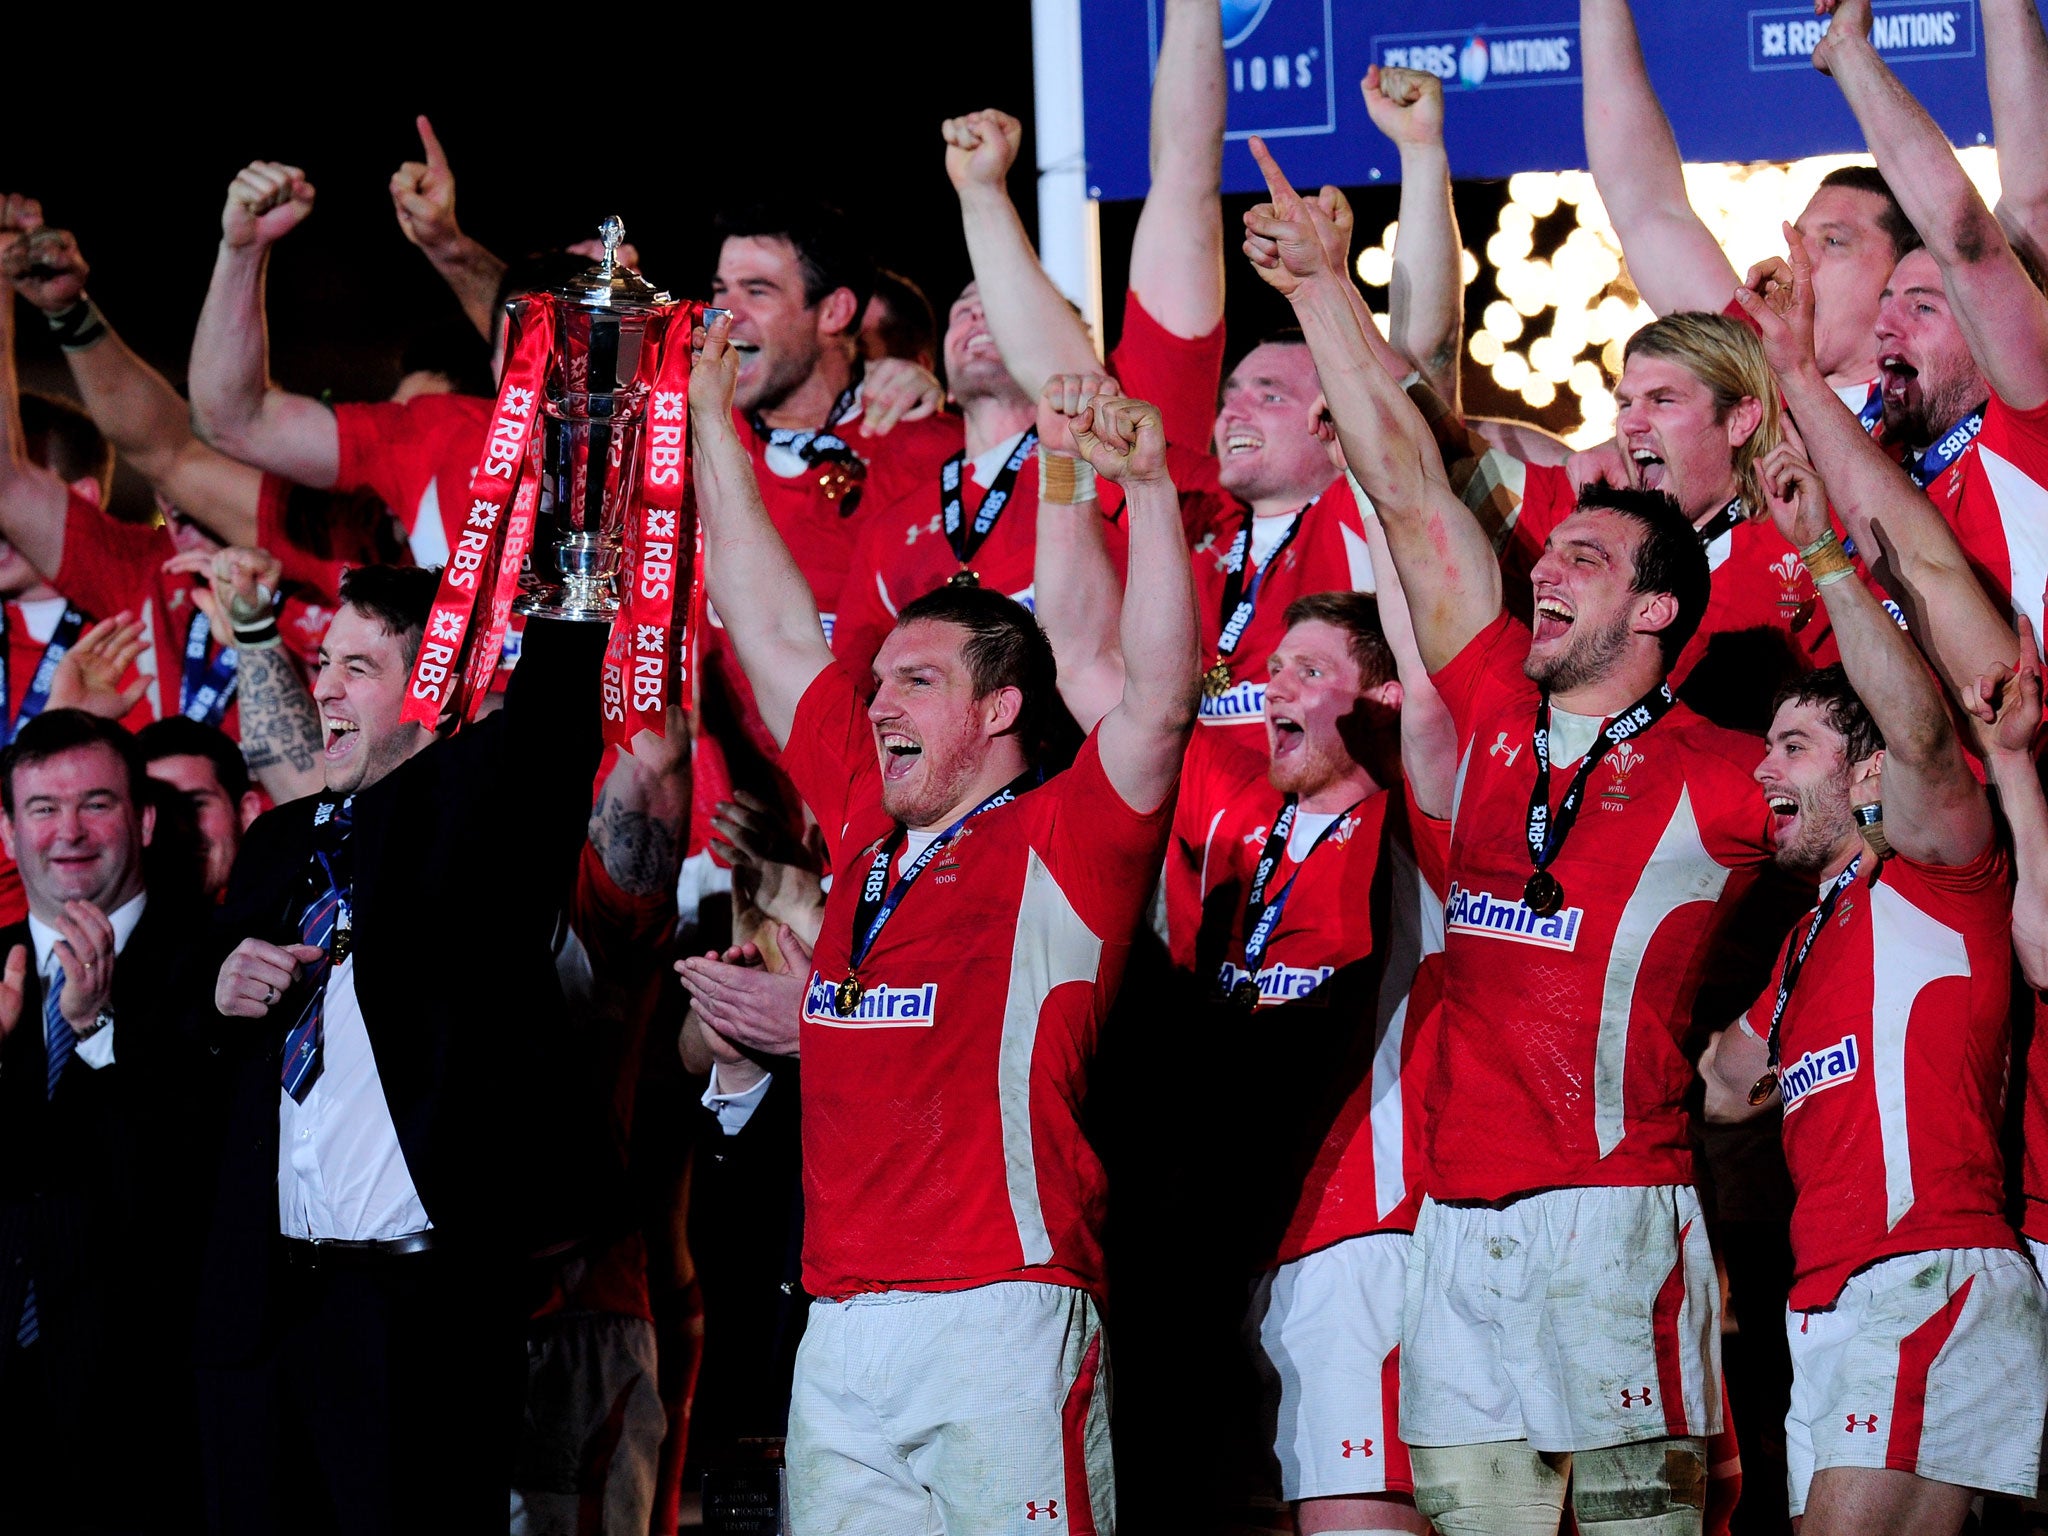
[
  {"x": 874, "y": 908},
  {"x": 1873, "y": 409},
  {"x": 1926, "y": 468},
  {"x": 1727, "y": 520},
  {"x": 1262, "y": 916},
  {"x": 38, "y": 695},
  {"x": 1239, "y": 603},
  {"x": 967, "y": 541},
  {"x": 810, "y": 445},
  {"x": 1794, "y": 964},
  {"x": 204, "y": 692},
  {"x": 1545, "y": 833}
]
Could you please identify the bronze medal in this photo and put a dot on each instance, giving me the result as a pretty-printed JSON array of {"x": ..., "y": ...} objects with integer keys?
[
  {"x": 1245, "y": 995},
  {"x": 1216, "y": 681},
  {"x": 1542, "y": 894},
  {"x": 1761, "y": 1090},
  {"x": 964, "y": 578},
  {"x": 846, "y": 996}
]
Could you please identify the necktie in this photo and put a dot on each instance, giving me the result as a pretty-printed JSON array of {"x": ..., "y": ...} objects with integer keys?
[
  {"x": 57, "y": 1035},
  {"x": 302, "y": 1045}
]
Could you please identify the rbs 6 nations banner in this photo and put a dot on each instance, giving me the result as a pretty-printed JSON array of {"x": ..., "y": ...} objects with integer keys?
[{"x": 1735, "y": 76}]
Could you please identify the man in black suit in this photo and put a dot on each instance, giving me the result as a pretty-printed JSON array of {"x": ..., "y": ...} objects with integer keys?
[
  {"x": 404, "y": 1128},
  {"x": 102, "y": 1119}
]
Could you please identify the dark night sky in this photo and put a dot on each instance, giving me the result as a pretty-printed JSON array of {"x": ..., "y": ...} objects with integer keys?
[{"x": 804, "y": 105}]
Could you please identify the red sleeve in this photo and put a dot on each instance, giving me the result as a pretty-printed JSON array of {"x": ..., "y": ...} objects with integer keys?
[
  {"x": 1104, "y": 855},
  {"x": 616, "y": 928},
  {"x": 395, "y": 449},
  {"x": 831, "y": 755},
  {"x": 2030, "y": 425},
  {"x": 861, "y": 622},
  {"x": 1180, "y": 375},
  {"x": 320, "y": 578},
  {"x": 1547, "y": 500},
  {"x": 1490, "y": 662},
  {"x": 109, "y": 564}
]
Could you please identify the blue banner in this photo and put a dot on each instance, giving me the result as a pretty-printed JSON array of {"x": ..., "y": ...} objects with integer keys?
[{"x": 1736, "y": 79}]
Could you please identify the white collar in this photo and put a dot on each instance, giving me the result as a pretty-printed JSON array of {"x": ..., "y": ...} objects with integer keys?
[{"x": 45, "y": 938}]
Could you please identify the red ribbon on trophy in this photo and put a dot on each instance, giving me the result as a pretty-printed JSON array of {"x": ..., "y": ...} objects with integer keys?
[{"x": 647, "y": 661}]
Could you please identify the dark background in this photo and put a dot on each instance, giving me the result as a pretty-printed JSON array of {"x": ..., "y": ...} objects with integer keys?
[{"x": 544, "y": 142}]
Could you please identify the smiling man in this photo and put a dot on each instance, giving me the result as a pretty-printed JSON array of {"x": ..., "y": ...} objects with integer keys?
[
  {"x": 1562, "y": 1321},
  {"x": 951, "y": 1374}
]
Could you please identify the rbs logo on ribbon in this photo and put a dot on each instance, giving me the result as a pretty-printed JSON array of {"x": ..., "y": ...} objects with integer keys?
[{"x": 1277, "y": 53}]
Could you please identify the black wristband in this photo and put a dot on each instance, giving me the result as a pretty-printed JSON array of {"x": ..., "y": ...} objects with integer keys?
[
  {"x": 79, "y": 326},
  {"x": 260, "y": 635}
]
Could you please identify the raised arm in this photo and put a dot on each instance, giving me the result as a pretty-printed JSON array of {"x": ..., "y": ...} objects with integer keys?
[
  {"x": 2003, "y": 315},
  {"x": 761, "y": 597},
  {"x": 1078, "y": 601},
  {"x": 1445, "y": 561},
  {"x": 1177, "y": 249},
  {"x": 234, "y": 405},
  {"x": 423, "y": 197},
  {"x": 2007, "y": 703},
  {"x": 642, "y": 817},
  {"x": 132, "y": 404},
  {"x": 1426, "y": 309},
  {"x": 1672, "y": 257},
  {"x": 32, "y": 497},
  {"x": 1143, "y": 739},
  {"x": 1903, "y": 539},
  {"x": 1935, "y": 810},
  {"x": 2016, "y": 70},
  {"x": 1429, "y": 737},
  {"x": 1035, "y": 329}
]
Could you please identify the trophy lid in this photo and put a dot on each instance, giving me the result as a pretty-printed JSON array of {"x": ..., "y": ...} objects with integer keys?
[{"x": 610, "y": 284}]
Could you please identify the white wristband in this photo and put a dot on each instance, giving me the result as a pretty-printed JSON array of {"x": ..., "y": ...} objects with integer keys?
[{"x": 1063, "y": 480}]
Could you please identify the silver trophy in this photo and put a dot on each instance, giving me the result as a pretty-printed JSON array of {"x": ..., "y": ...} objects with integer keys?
[{"x": 593, "y": 408}]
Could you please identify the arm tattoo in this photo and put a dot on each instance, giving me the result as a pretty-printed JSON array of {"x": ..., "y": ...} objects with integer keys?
[
  {"x": 640, "y": 852},
  {"x": 280, "y": 726}
]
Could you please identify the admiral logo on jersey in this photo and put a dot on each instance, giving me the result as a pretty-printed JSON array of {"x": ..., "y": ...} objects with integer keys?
[
  {"x": 1828, "y": 1068},
  {"x": 1236, "y": 705},
  {"x": 879, "y": 1007},
  {"x": 1488, "y": 917},
  {"x": 1278, "y": 983}
]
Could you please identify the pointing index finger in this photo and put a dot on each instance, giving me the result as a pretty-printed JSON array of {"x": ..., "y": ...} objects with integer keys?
[
  {"x": 1276, "y": 180},
  {"x": 437, "y": 157}
]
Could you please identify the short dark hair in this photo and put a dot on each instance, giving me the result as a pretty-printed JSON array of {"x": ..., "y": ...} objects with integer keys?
[
  {"x": 451, "y": 348},
  {"x": 1358, "y": 615},
  {"x": 57, "y": 731},
  {"x": 63, "y": 439},
  {"x": 1828, "y": 688},
  {"x": 909, "y": 328},
  {"x": 1892, "y": 218},
  {"x": 828, "y": 253},
  {"x": 179, "y": 736},
  {"x": 398, "y": 597},
  {"x": 1004, "y": 648},
  {"x": 1668, "y": 558}
]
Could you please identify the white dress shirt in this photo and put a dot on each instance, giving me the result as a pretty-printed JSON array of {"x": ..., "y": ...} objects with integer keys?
[
  {"x": 95, "y": 1050},
  {"x": 340, "y": 1170}
]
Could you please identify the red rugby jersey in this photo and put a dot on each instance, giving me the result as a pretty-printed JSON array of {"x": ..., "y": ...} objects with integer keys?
[
  {"x": 420, "y": 456},
  {"x": 1182, "y": 375},
  {"x": 1559, "y": 1061},
  {"x": 1892, "y": 1061},
  {"x": 1346, "y": 987},
  {"x": 941, "y": 1126},
  {"x": 1995, "y": 496}
]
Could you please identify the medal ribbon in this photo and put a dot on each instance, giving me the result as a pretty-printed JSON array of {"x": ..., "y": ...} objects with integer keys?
[
  {"x": 204, "y": 692},
  {"x": 438, "y": 675},
  {"x": 1546, "y": 834},
  {"x": 875, "y": 909},
  {"x": 1261, "y": 916},
  {"x": 1927, "y": 468},
  {"x": 1726, "y": 520},
  {"x": 813, "y": 446},
  {"x": 1239, "y": 604},
  {"x": 967, "y": 543},
  {"x": 1873, "y": 409},
  {"x": 38, "y": 695},
  {"x": 1823, "y": 909},
  {"x": 645, "y": 661}
]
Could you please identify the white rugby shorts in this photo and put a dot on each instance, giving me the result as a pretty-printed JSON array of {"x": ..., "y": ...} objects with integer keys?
[
  {"x": 970, "y": 1412},
  {"x": 1928, "y": 1363},
  {"x": 1326, "y": 1330},
  {"x": 1573, "y": 1319}
]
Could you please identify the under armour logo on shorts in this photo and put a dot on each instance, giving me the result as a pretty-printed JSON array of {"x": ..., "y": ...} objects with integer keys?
[
  {"x": 1363, "y": 1448},
  {"x": 1869, "y": 1424},
  {"x": 1051, "y": 1511},
  {"x": 1629, "y": 1396}
]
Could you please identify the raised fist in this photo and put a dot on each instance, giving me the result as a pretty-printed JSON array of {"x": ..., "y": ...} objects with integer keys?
[
  {"x": 1407, "y": 105},
  {"x": 1124, "y": 439},
  {"x": 423, "y": 196},
  {"x": 42, "y": 263},
  {"x": 981, "y": 147},
  {"x": 1062, "y": 399},
  {"x": 265, "y": 203},
  {"x": 714, "y": 370},
  {"x": 1850, "y": 28}
]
